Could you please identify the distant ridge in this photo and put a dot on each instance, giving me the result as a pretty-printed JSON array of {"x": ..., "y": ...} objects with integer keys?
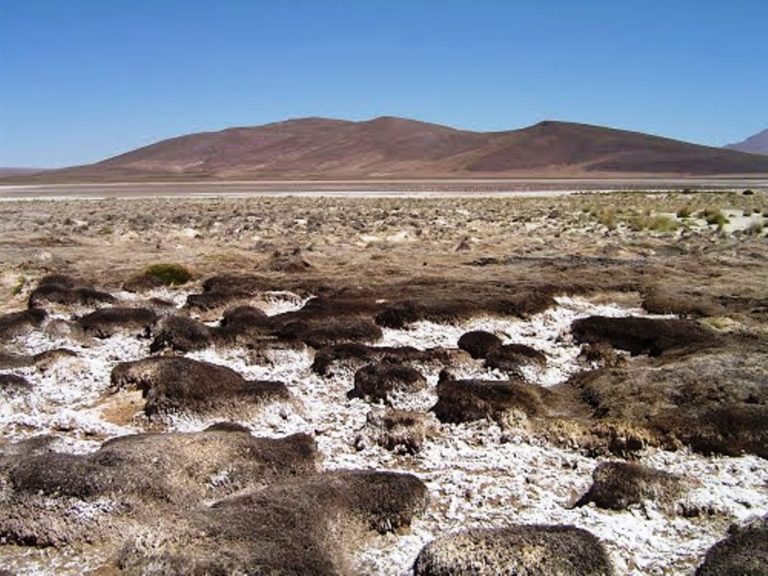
[
  {"x": 6, "y": 171},
  {"x": 388, "y": 147},
  {"x": 756, "y": 144}
]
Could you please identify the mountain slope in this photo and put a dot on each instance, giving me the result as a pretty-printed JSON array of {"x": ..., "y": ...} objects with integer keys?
[
  {"x": 756, "y": 144},
  {"x": 398, "y": 148}
]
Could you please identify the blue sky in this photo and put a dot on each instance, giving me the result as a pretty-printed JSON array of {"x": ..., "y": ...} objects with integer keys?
[{"x": 81, "y": 80}]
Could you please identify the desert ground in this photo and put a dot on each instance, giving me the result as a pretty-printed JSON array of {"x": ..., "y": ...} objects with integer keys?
[{"x": 421, "y": 379}]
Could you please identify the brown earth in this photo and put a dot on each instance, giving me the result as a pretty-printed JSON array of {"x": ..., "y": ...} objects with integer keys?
[{"x": 395, "y": 147}]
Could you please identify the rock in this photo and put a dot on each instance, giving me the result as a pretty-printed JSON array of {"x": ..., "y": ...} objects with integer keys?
[
  {"x": 402, "y": 431},
  {"x": 107, "y": 322},
  {"x": 520, "y": 549},
  {"x": 17, "y": 323},
  {"x": 172, "y": 384},
  {"x": 180, "y": 333},
  {"x": 478, "y": 343},
  {"x": 66, "y": 291},
  {"x": 375, "y": 382},
  {"x": 468, "y": 400},
  {"x": 619, "y": 485},
  {"x": 744, "y": 552},
  {"x": 643, "y": 335}
]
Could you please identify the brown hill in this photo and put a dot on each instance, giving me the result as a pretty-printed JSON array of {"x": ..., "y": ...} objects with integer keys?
[
  {"x": 398, "y": 148},
  {"x": 755, "y": 144}
]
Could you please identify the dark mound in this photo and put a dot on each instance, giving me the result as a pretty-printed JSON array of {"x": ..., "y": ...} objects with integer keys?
[
  {"x": 660, "y": 301},
  {"x": 478, "y": 343},
  {"x": 222, "y": 291},
  {"x": 375, "y": 382},
  {"x": 160, "y": 465},
  {"x": 515, "y": 550},
  {"x": 23, "y": 322},
  {"x": 360, "y": 354},
  {"x": 107, "y": 322},
  {"x": 468, "y": 400},
  {"x": 173, "y": 384},
  {"x": 510, "y": 357},
  {"x": 227, "y": 427},
  {"x": 731, "y": 429},
  {"x": 67, "y": 291},
  {"x": 618, "y": 485},
  {"x": 744, "y": 552},
  {"x": 11, "y": 384},
  {"x": 290, "y": 262},
  {"x": 447, "y": 308},
  {"x": 307, "y": 526},
  {"x": 319, "y": 333},
  {"x": 402, "y": 431},
  {"x": 180, "y": 333},
  {"x": 42, "y": 360},
  {"x": 134, "y": 484},
  {"x": 243, "y": 325},
  {"x": 714, "y": 401},
  {"x": 643, "y": 335}
]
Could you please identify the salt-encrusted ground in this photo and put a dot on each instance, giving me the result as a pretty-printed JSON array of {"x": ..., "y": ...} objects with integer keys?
[{"x": 477, "y": 474}]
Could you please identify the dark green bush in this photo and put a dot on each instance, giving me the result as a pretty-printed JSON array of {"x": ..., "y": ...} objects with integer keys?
[{"x": 169, "y": 274}]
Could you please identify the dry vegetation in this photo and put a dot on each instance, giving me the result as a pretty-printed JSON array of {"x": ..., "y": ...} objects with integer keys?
[
  {"x": 203, "y": 495},
  {"x": 671, "y": 238}
]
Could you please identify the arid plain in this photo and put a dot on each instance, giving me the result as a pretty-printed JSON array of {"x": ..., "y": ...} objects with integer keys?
[{"x": 345, "y": 380}]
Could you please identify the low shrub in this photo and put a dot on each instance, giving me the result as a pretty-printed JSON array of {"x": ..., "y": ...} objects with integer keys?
[
  {"x": 714, "y": 217},
  {"x": 663, "y": 224},
  {"x": 168, "y": 274},
  {"x": 754, "y": 229},
  {"x": 19, "y": 286},
  {"x": 608, "y": 219}
]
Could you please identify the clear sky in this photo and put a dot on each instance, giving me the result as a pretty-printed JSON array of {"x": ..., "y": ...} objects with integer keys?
[{"x": 81, "y": 80}]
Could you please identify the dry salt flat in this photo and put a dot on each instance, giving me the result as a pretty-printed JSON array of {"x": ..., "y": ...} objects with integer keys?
[{"x": 477, "y": 474}]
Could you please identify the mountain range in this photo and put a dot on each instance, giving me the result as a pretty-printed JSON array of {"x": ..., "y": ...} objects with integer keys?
[
  {"x": 756, "y": 144},
  {"x": 389, "y": 147}
]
